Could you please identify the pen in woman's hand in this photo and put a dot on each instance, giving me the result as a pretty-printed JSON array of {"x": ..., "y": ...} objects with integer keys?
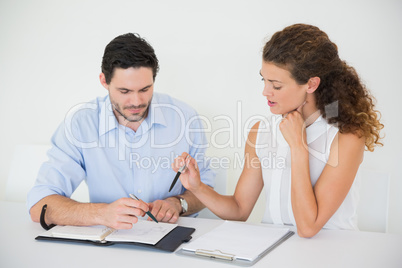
[{"x": 178, "y": 173}]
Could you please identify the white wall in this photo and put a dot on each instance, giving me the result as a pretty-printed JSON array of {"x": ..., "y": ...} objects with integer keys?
[{"x": 210, "y": 55}]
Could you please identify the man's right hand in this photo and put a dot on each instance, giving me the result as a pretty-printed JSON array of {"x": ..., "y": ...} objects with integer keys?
[
  {"x": 123, "y": 213},
  {"x": 61, "y": 210}
]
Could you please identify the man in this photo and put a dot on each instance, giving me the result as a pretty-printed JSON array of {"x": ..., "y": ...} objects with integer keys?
[{"x": 120, "y": 144}]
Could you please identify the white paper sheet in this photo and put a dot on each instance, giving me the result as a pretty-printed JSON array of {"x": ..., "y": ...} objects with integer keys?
[
  {"x": 242, "y": 240},
  {"x": 148, "y": 232}
]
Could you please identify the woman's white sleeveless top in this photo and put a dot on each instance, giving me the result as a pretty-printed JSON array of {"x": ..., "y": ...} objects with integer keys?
[{"x": 274, "y": 155}]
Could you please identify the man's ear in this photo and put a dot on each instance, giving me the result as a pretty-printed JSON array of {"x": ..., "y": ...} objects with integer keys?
[
  {"x": 313, "y": 84},
  {"x": 102, "y": 79}
]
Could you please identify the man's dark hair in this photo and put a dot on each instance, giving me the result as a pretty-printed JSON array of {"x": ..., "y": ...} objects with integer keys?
[{"x": 128, "y": 50}]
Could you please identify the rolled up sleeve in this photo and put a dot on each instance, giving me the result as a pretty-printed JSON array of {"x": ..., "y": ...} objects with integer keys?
[{"x": 62, "y": 173}]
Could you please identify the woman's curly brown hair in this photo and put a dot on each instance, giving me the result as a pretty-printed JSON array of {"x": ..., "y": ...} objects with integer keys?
[{"x": 306, "y": 51}]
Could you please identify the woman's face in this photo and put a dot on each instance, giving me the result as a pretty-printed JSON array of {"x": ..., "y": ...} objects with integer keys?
[{"x": 283, "y": 94}]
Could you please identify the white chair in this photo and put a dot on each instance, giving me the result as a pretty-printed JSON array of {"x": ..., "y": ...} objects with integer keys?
[
  {"x": 372, "y": 210},
  {"x": 24, "y": 168},
  {"x": 220, "y": 187}
]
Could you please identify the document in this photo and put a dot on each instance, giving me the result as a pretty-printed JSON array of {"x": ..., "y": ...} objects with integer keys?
[
  {"x": 238, "y": 241},
  {"x": 146, "y": 232}
]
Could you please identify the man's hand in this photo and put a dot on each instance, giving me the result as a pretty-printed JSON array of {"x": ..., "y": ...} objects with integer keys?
[
  {"x": 167, "y": 210},
  {"x": 123, "y": 213}
]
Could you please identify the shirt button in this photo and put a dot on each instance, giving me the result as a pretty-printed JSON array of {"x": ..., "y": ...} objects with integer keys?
[{"x": 139, "y": 191}]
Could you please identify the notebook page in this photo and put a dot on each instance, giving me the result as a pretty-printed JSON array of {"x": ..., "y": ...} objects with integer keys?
[
  {"x": 148, "y": 232},
  {"x": 97, "y": 232},
  {"x": 244, "y": 241}
]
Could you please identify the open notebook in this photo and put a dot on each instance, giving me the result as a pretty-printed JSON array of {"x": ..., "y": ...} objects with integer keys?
[
  {"x": 147, "y": 232},
  {"x": 164, "y": 236}
]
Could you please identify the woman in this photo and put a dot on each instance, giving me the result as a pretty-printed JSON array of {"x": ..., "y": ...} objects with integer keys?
[{"x": 325, "y": 111}]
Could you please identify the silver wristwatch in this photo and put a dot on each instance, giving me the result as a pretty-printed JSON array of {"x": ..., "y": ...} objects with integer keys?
[{"x": 183, "y": 203}]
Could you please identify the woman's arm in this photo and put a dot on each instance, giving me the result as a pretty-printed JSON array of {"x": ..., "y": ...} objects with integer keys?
[
  {"x": 314, "y": 206},
  {"x": 248, "y": 189}
]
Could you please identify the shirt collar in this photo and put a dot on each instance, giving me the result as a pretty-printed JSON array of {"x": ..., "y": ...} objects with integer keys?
[
  {"x": 316, "y": 129},
  {"x": 155, "y": 114},
  {"x": 108, "y": 121}
]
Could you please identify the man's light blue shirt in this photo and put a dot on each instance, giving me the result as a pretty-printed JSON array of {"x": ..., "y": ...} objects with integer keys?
[{"x": 114, "y": 160}]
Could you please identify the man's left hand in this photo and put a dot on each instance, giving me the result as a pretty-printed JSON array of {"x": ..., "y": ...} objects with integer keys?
[{"x": 167, "y": 210}]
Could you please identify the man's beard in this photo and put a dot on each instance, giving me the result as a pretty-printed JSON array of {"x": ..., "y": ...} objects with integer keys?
[{"x": 133, "y": 118}]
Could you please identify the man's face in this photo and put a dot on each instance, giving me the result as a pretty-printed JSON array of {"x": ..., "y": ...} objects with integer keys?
[{"x": 130, "y": 92}]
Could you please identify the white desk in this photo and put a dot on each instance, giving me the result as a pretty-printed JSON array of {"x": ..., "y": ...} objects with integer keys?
[{"x": 18, "y": 248}]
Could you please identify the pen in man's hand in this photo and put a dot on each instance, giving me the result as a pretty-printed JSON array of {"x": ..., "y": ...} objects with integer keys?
[
  {"x": 148, "y": 213},
  {"x": 178, "y": 173}
]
